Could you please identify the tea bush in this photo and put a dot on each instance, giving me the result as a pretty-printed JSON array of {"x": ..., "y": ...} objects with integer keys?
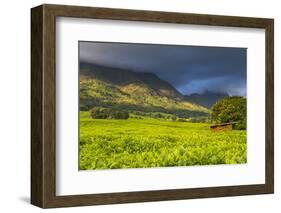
[{"x": 148, "y": 142}]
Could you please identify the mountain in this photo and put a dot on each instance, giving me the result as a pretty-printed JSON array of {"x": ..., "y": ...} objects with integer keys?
[
  {"x": 121, "y": 78},
  {"x": 207, "y": 99},
  {"x": 134, "y": 91}
]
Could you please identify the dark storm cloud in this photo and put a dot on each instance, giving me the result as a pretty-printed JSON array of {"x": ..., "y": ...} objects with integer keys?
[{"x": 188, "y": 68}]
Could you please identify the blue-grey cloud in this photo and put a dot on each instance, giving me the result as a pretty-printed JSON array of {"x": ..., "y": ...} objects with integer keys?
[{"x": 190, "y": 69}]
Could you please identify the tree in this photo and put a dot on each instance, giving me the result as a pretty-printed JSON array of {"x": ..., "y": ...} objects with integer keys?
[
  {"x": 181, "y": 120},
  {"x": 99, "y": 113},
  {"x": 106, "y": 113},
  {"x": 231, "y": 109},
  {"x": 118, "y": 114}
]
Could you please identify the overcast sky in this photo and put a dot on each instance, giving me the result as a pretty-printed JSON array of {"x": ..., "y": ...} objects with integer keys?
[{"x": 190, "y": 69}]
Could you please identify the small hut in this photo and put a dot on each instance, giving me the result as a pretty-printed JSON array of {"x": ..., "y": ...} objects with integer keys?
[{"x": 222, "y": 126}]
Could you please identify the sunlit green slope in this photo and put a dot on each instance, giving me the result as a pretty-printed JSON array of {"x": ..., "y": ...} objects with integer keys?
[{"x": 109, "y": 87}]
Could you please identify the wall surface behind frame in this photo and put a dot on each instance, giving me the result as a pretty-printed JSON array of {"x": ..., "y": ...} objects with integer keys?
[{"x": 15, "y": 105}]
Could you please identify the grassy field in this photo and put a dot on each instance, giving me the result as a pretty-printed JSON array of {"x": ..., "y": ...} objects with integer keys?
[{"x": 148, "y": 142}]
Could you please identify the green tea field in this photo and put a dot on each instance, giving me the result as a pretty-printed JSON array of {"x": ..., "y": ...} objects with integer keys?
[{"x": 150, "y": 142}]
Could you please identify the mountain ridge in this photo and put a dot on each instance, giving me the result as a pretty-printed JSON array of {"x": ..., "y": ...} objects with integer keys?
[
  {"x": 207, "y": 98},
  {"x": 135, "y": 91},
  {"x": 122, "y": 77}
]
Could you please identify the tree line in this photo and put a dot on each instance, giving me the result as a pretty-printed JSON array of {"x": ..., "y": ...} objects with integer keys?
[{"x": 229, "y": 109}]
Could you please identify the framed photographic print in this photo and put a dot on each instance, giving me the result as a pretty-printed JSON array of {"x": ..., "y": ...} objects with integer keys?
[{"x": 135, "y": 106}]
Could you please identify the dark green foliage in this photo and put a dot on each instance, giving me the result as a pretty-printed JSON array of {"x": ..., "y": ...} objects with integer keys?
[
  {"x": 174, "y": 118},
  {"x": 231, "y": 109},
  {"x": 106, "y": 113},
  {"x": 99, "y": 113},
  {"x": 181, "y": 120},
  {"x": 202, "y": 119},
  {"x": 115, "y": 114},
  {"x": 158, "y": 115}
]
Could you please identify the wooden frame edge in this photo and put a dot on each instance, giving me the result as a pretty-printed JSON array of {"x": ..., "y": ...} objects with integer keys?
[
  {"x": 43, "y": 186},
  {"x": 36, "y": 106},
  {"x": 269, "y": 118}
]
